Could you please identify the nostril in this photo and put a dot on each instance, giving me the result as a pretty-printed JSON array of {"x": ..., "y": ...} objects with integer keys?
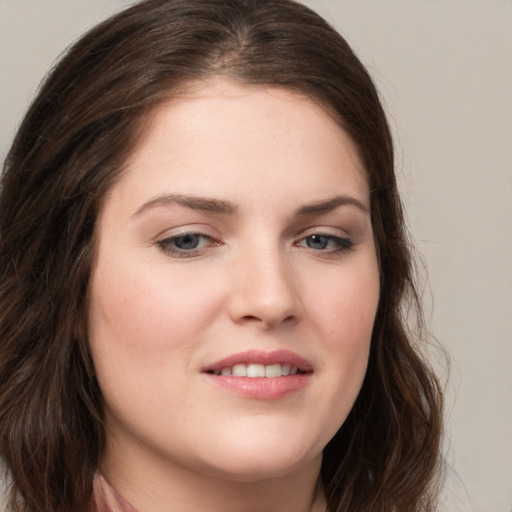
[
  {"x": 252, "y": 318},
  {"x": 289, "y": 319},
  {"x": 268, "y": 321}
]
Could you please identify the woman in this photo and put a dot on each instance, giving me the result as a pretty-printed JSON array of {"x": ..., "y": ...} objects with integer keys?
[{"x": 204, "y": 273}]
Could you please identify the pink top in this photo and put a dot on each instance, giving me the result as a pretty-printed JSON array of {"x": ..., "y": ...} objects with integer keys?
[{"x": 106, "y": 499}]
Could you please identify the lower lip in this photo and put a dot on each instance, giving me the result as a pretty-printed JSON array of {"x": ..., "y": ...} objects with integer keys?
[{"x": 262, "y": 388}]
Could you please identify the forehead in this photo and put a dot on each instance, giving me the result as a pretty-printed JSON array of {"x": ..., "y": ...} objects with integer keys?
[{"x": 222, "y": 134}]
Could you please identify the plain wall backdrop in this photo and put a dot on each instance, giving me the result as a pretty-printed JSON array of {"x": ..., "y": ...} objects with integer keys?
[{"x": 444, "y": 69}]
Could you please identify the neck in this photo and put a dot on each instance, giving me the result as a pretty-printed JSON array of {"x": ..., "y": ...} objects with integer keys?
[{"x": 165, "y": 486}]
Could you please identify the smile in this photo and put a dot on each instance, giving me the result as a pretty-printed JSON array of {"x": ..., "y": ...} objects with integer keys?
[
  {"x": 259, "y": 363},
  {"x": 261, "y": 375},
  {"x": 253, "y": 370}
]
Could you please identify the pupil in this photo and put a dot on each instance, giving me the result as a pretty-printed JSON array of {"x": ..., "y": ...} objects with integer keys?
[
  {"x": 317, "y": 242},
  {"x": 187, "y": 241}
]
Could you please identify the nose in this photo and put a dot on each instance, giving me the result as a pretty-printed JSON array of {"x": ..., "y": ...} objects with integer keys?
[{"x": 265, "y": 290}]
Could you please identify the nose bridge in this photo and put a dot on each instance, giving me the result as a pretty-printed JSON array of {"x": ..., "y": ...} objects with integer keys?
[{"x": 265, "y": 288}]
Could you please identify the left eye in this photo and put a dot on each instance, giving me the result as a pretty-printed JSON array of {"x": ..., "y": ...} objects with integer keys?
[
  {"x": 326, "y": 243},
  {"x": 185, "y": 245}
]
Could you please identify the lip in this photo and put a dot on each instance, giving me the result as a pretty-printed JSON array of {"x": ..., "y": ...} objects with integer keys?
[
  {"x": 261, "y": 388},
  {"x": 261, "y": 357}
]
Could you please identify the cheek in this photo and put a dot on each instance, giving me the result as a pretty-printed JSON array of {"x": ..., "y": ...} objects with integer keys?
[
  {"x": 344, "y": 316},
  {"x": 147, "y": 312},
  {"x": 347, "y": 306},
  {"x": 144, "y": 329}
]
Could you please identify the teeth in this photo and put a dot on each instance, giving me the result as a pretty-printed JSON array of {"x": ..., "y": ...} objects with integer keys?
[
  {"x": 255, "y": 370},
  {"x": 273, "y": 370},
  {"x": 259, "y": 370},
  {"x": 239, "y": 370}
]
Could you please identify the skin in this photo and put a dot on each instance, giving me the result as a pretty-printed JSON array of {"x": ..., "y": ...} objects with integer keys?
[{"x": 258, "y": 279}]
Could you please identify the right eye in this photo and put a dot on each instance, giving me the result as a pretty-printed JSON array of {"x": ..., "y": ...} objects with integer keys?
[{"x": 186, "y": 245}]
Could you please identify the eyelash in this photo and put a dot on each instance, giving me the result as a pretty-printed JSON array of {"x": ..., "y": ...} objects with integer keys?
[
  {"x": 167, "y": 245},
  {"x": 341, "y": 244}
]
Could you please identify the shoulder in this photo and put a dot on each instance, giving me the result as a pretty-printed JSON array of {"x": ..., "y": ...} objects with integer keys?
[{"x": 5, "y": 483}]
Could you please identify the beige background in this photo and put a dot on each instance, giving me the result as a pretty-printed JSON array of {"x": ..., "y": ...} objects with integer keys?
[{"x": 445, "y": 71}]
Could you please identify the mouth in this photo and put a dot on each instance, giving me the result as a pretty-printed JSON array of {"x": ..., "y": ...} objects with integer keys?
[
  {"x": 257, "y": 363},
  {"x": 263, "y": 375},
  {"x": 253, "y": 370}
]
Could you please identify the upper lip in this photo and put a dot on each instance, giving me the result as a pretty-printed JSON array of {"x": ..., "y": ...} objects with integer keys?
[{"x": 261, "y": 357}]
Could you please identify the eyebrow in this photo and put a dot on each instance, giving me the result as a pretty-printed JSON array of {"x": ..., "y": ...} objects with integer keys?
[
  {"x": 193, "y": 202},
  {"x": 331, "y": 204},
  {"x": 222, "y": 207}
]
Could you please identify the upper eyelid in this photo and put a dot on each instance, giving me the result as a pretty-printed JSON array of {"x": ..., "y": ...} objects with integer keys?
[
  {"x": 215, "y": 234},
  {"x": 188, "y": 229},
  {"x": 344, "y": 238},
  {"x": 169, "y": 238},
  {"x": 213, "y": 241},
  {"x": 325, "y": 230}
]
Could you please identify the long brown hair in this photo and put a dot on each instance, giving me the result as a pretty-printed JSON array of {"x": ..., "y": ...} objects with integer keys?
[{"x": 67, "y": 154}]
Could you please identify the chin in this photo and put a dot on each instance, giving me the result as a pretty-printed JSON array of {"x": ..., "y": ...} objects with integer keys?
[
  {"x": 252, "y": 462},
  {"x": 252, "y": 471}
]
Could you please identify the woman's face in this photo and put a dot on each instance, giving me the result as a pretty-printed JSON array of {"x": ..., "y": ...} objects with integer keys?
[{"x": 236, "y": 244}]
